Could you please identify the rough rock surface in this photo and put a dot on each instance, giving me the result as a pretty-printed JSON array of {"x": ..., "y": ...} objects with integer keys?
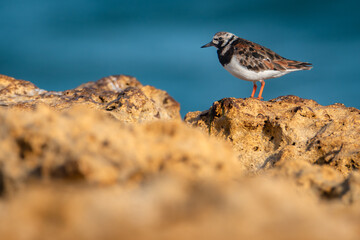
[
  {"x": 91, "y": 163},
  {"x": 264, "y": 133},
  {"x": 122, "y": 96},
  {"x": 318, "y": 146}
]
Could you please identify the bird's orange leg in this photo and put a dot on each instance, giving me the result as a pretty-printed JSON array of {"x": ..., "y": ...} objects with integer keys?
[
  {"x": 254, "y": 90},
  {"x": 261, "y": 89}
]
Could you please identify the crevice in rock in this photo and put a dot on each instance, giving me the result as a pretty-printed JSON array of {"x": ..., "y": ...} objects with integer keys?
[
  {"x": 272, "y": 159},
  {"x": 69, "y": 170},
  {"x": 274, "y": 133},
  {"x": 24, "y": 147},
  {"x": 328, "y": 157},
  {"x": 336, "y": 192},
  {"x": 352, "y": 165},
  {"x": 321, "y": 131}
]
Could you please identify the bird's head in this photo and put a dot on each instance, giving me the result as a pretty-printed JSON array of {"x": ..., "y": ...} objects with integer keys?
[{"x": 220, "y": 40}]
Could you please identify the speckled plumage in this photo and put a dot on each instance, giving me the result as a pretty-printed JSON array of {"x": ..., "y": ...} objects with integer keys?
[{"x": 250, "y": 61}]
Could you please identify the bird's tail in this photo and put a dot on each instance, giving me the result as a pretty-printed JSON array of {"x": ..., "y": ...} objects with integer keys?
[{"x": 299, "y": 65}]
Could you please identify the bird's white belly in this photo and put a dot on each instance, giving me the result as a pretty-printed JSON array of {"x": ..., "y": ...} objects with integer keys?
[{"x": 242, "y": 72}]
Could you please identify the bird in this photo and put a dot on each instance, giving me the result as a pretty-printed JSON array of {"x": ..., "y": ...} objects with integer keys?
[{"x": 250, "y": 61}]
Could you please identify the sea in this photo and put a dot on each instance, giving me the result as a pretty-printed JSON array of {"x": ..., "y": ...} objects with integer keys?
[{"x": 59, "y": 45}]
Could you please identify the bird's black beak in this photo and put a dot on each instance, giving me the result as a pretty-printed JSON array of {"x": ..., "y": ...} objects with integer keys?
[{"x": 208, "y": 45}]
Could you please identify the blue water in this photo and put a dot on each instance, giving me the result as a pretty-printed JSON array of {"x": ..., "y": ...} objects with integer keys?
[{"x": 59, "y": 45}]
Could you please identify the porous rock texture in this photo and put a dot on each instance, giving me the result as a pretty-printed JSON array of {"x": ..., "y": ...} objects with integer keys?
[
  {"x": 86, "y": 168},
  {"x": 263, "y": 132},
  {"x": 289, "y": 135},
  {"x": 122, "y": 96}
]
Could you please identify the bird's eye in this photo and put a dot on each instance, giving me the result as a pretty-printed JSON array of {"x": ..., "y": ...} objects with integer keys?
[{"x": 220, "y": 38}]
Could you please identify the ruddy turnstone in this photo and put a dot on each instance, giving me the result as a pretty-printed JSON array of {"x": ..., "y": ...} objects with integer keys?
[{"x": 250, "y": 61}]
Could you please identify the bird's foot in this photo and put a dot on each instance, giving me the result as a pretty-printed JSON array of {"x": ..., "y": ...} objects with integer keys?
[{"x": 258, "y": 98}]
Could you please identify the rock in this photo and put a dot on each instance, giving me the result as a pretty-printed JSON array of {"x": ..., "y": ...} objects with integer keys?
[
  {"x": 123, "y": 97},
  {"x": 317, "y": 146},
  {"x": 85, "y": 145},
  {"x": 174, "y": 208},
  {"x": 262, "y": 131}
]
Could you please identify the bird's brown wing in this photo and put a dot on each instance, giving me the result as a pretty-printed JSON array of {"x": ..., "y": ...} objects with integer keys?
[{"x": 258, "y": 58}]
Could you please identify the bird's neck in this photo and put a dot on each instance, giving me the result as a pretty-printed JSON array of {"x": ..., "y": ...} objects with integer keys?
[{"x": 226, "y": 51}]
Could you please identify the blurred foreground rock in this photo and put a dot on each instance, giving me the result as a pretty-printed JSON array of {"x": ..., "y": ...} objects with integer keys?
[
  {"x": 99, "y": 163},
  {"x": 86, "y": 145}
]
